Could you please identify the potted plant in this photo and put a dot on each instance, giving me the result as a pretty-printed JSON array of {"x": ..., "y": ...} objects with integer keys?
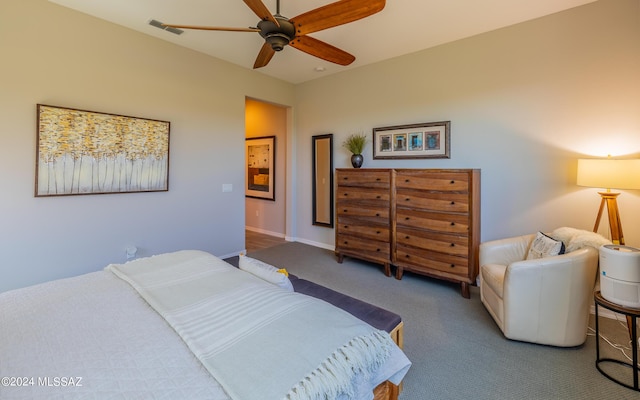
[{"x": 355, "y": 144}]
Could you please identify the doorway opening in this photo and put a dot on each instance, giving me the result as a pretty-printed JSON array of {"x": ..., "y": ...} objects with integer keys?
[{"x": 266, "y": 218}]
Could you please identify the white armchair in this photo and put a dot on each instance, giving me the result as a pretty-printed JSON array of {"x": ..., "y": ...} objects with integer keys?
[{"x": 545, "y": 300}]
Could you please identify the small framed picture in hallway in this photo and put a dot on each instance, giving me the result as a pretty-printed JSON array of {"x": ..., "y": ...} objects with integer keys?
[{"x": 260, "y": 173}]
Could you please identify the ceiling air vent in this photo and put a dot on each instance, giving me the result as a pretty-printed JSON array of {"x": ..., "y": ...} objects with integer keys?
[{"x": 158, "y": 24}]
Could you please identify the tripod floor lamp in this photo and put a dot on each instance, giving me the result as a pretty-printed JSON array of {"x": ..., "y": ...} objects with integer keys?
[{"x": 608, "y": 173}]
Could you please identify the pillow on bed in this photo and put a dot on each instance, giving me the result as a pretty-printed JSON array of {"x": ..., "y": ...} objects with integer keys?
[
  {"x": 265, "y": 271},
  {"x": 544, "y": 246}
]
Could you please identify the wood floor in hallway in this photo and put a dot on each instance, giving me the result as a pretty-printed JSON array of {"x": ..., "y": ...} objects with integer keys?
[{"x": 256, "y": 241}]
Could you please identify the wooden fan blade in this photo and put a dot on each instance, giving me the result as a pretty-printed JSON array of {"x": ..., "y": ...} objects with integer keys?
[
  {"x": 212, "y": 28},
  {"x": 258, "y": 7},
  {"x": 334, "y": 14},
  {"x": 265, "y": 55},
  {"x": 322, "y": 50}
]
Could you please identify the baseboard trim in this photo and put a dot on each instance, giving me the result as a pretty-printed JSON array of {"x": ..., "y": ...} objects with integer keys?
[{"x": 314, "y": 244}]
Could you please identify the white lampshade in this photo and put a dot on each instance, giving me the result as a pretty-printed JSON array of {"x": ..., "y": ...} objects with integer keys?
[{"x": 608, "y": 173}]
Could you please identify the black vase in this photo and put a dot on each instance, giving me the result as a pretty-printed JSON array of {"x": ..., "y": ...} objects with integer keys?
[{"x": 356, "y": 160}]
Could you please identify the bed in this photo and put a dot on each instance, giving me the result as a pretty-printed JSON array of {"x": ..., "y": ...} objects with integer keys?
[{"x": 188, "y": 325}]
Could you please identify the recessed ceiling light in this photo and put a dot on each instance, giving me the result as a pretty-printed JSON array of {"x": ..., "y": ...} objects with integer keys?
[{"x": 319, "y": 69}]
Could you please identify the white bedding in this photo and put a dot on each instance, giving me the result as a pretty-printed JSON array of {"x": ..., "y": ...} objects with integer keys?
[
  {"x": 94, "y": 327},
  {"x": 93, "y": 337}
]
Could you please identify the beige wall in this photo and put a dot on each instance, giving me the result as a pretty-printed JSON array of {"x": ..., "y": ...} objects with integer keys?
[
  {"x": 57, "y": 56},
  {"x": 524, "y": 103}
]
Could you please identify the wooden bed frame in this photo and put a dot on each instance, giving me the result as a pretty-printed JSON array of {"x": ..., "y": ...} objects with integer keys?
[{"x": 387, "y": 390}]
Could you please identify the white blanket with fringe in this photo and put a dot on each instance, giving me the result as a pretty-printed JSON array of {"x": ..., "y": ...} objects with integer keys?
[
  {"x": 257, "y": 340},
  {"x": 575, "y": 239}
]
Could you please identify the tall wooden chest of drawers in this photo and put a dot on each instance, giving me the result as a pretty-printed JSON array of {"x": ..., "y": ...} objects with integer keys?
[
  {"x": 438, "y": 224},
  {"x": 428, "y": 219},
  {"x": 363, "y": 211}
]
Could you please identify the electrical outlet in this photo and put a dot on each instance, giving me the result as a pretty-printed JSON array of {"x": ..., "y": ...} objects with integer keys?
[{"x": 131, "y": 252}]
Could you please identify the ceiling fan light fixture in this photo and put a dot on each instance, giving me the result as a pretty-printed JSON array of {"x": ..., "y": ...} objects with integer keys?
[{"x": 277, "y": 41}]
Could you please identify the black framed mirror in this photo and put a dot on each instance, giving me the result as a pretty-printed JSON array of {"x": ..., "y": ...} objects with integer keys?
[{"x": 322, "y": 184}]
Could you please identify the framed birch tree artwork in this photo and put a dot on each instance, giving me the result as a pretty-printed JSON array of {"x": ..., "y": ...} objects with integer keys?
[{"x": 87, "y": 152}]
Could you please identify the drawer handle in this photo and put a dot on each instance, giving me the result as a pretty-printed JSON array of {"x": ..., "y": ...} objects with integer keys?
[
  {"x": 406, "y": 218},
  {"x": 345, "y": 210},
  {"x": 407, "y": 199},
  {"x": 345, "y": 178},
  {"x": 346, "y": 227},
  {"x": 378, "y": 250},
  {"x": 453, "y": 202},
  {"x": 407, "y": 256},
  {"x": 407, "y": 237},
  {"x": 452, "y": 265},
  {"x": 452, "y": 182},
  {"x": 378, "y": 179},
  {"x": 453, "y": 224},
  {"x": 346, "y": 242},
  {"x": 378, "y": 197},
  {"x": 346, "y": 194},
  {"x": 377, "y": 214},
  {"x": 453, "y": 245},
  {"x": 377, "y": 232},
  {"x": 406, "y": 181}
]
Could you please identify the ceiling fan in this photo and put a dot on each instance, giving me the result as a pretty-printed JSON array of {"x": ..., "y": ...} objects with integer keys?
[{"x": 279, "y": 31}]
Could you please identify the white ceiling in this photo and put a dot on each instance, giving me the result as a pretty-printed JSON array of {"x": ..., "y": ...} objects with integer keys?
[{"x": 402, "y": 27}]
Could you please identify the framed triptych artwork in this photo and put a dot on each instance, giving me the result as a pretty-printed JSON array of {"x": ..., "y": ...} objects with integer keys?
[{"x": 428, "y": 140}]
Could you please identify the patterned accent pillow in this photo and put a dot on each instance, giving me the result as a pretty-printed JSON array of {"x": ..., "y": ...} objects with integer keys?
[
  {"x": 265, "y": 271},
  {"x": 545, "y": 246}
]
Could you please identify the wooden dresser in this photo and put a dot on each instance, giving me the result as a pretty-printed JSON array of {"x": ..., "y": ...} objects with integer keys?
[
  {"x": 363, "y": 212},
  {"x": 428, "y": 219}
]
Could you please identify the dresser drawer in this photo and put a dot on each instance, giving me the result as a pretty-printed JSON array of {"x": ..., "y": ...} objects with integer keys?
[
  {"x": 371, "y": 214},
  {"x": 370, "y": 249},
  {"x": 433, "y": 221},
  {"x": 435, "y": 181},
  {"x": 457, "y": 245},
  {"x": 348, "y": 193},
  {"x": 351, "y": 227},
  {"x": 364, "y": 178},
  {"x": 425, "y": 261},
  {"x": 447, "y": 202}
]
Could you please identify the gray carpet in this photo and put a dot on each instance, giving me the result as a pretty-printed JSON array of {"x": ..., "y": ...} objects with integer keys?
[{"x": 456, "y": 349}]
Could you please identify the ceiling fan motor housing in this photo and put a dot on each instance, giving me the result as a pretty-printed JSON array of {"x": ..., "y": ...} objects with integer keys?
[{"x": 277, "y": 36}]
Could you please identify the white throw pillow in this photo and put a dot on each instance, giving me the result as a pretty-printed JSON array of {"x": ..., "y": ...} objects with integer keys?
[
  {"x": 544, "y": 246},
  {"x": 265, "y": 271}
]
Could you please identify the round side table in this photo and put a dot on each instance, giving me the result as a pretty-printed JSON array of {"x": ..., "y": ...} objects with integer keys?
[{"x": 632, "y": 314}]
